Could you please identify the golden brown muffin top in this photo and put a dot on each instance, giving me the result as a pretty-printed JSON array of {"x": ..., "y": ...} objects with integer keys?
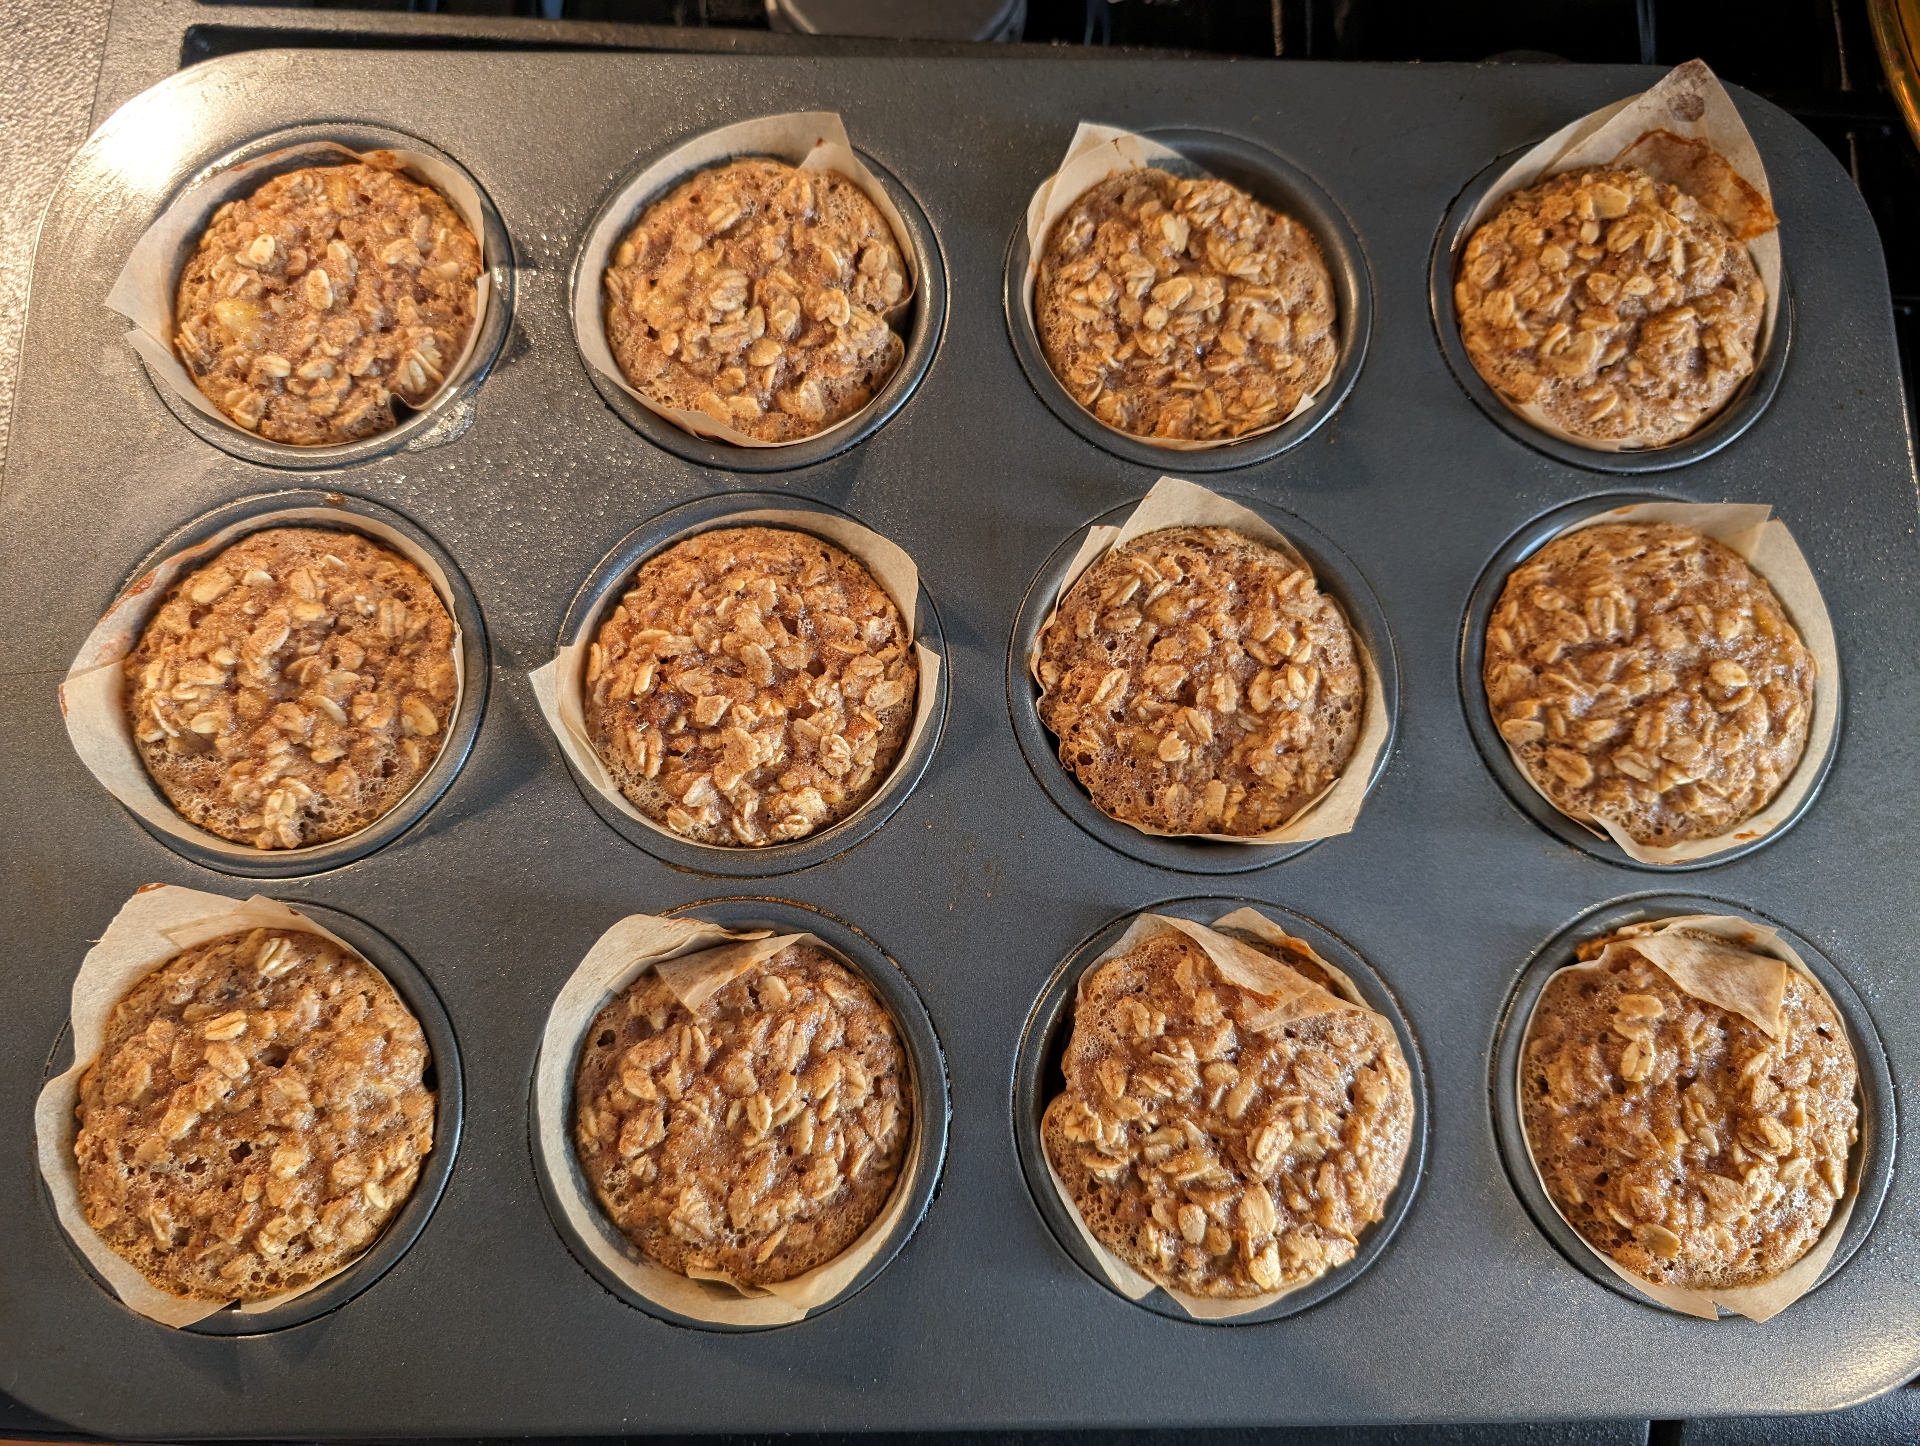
[
  {"x": 255, "y": 1117},
  {"x": 757, "y": 1135}
]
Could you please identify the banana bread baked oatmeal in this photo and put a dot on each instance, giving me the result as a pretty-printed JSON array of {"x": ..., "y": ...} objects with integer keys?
[
  {"x": 1642, "y": 673},
  {"x": 1213, "y": 1153},
  {"x": 1673, "y": 1134},
  {"x": 1183, "y": 309},
  {"x": 757, "y": 1135},
  {"x": 1623, "y": 308},
  {"x": 757, "y": 294},
  {"x": 311, "y": 304},
  {"x": 255, "y": 1117},
  {"x": 753, "y": 687},
  {"x": 1200, "y": 682},
  {"x": 293, "y": 689}
]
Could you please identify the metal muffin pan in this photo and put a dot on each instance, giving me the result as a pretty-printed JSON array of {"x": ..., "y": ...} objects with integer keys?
[
  {"x": 1037, "y": 1078},
  {"x": 443, "y": 1075},
  {"x": 450, "y": 410},
  {"x": 1276, "y": 183},
  {"x": 927, "y": 318},
  {"x": 1742, "y": 409},
  {"x": 615, "y": 574},
  {"x": 1499, "y": 760},
  {"x": 928, "y": 1149},
  {"x": 1870, "y": 1163},
  {"x": 1336, "y": 575},
  {"x": 272, "y": 509},
  {"x": 977, "y": 884}
]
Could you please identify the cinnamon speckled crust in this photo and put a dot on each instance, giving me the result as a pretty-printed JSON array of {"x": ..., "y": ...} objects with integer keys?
[
  {"x": 256, "y": 1116},
  {"x": 1678, "y": 1138}
]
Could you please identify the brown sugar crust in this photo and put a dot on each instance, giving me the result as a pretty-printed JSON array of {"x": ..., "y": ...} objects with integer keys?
[
  {"x": 255, "y": 1117},
  {"x": 753, "y": 687},
  {"x": 1674, "y": 1135},
  {"x": 758, "y": 1135},
  {"x": 1621, "y": 307},
  {"x": 1213, "y": 1159},
  {"x": 1183, "y": 308},
  {"x": 293, "y": 689},
  {"x": 1644, "y": 674},
  {"x": 308, "y": 306},
  {"x": 758, "y": 293},
  {"x": 1200, "y": 682}
]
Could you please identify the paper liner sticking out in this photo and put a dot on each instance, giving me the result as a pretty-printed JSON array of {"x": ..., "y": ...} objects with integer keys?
[
  {"x": 1177, "y": 503},
  {"x": 1295, "y": 997},
  {"x": 809, "y": 140},
  {"x": 1685, "y": 132},
  {"x": 1095, "y": 153},
  {"x": 559, "y": 686},
  {"x": 695, "y": 960},
  {"x": 1769, "y": 549},
  {"x": 1746, "y": 975},
  {"x": 92, "y": 695},
  {"x": 144, "y": 290},
  {"x": 153, "y": 926}
]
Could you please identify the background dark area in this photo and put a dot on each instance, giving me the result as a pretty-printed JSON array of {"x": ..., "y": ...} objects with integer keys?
[{"x": 1815, "y": 58}]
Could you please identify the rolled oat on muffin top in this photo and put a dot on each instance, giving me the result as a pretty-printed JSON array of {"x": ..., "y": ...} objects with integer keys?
[
  {"x": 1621, "y": 307},
  {"x": 1200, "y": 682},
  {"x": 1643, "y": 674},
  {"x": 256, "y": 1116},
  {"x": 1183, "y": 309},
  {"x": 753, "y": 687},
  {"x": 310, "y": 305},
  {"x": 757, "y": 294},
  {"x": 293, "y": 689}
]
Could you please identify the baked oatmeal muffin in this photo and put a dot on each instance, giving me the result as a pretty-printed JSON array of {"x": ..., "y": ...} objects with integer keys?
[
  {"x": 1200, "y": 682},
  {"x": 1644, "y": 674},
  {"x": 1673, "y": 1134},
  {"x": 1183, "y": 309},
  {"x": 1212, "y": 1156},
  {"x": 757, "y": 1135},
  {"x": 311, "y": 304},
  {"x": 293, "y": 689},
  {"x": 1621, "y": 307},
  {"x": 753, "y": 687},
  {"x": 256, "y": 1116},
  {"x": 758, "y": 294}
]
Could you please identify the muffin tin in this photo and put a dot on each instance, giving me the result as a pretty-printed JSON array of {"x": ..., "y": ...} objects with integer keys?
[{"x": 977, "y": 884}]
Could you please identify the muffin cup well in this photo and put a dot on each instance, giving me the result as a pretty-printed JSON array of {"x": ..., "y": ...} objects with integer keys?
[
  {"x": 145, "y": 288},
  {"x": 91, "y": 696},
  {"x": 621, "y": 955},
  {"x": 157, "y": 923},
  {"x": 810, "y": 140},
  {"x": 559, "y": 685},
  {"x": 1038, "y": 1079},
  {"x": 1688, "y": 102},
  {"x": 1174, "y": 503},
  {"x": 1768, "y": 547},
  {"x": 1097, "y": 152},
  {"x": 1869, "y": 1166}
]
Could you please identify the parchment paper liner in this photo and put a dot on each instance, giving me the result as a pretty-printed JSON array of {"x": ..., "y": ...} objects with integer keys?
[
  {"x": 158, "y": 922},
  {"x": 1770, "y": 550},
  {"x": 1177, "y": 503},
  {"x": 1095, "y": 153},
  {"x": 559, "y": 686},
  {"x": 144, "y": 290},
  {"x": 1688, "y": 102},
  {"x": 695, "y": 959},
  {"x": 810, "y": 140},
  {"x": 1296, "y": 997},
  {"x": 1747, "y": 982},
  {"x": 93, "y": 700}
]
